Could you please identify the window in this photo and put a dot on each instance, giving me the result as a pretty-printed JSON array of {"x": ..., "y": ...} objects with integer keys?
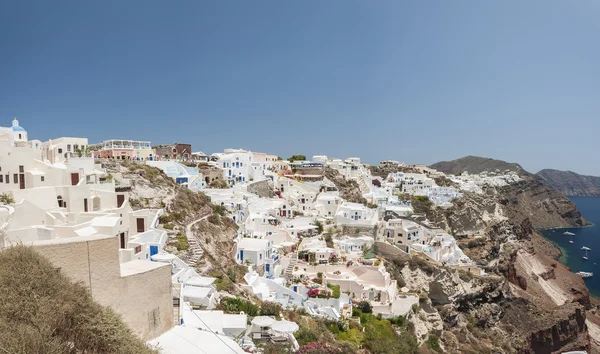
[
  {"x": 68, "y": 147},
  {"x": 42, "y": 178},
  {"x": 154, "y": 319},
  {"x": 7, "y": 180},
  {"x": 21, "y": 169},
  {"x": 1, "y": 178},
  {"x": 16, "y": 178},
  {"x": 260, "y": 256},
  {"x": 19, "y": 136},
  {"x": 60, "y": 151}
]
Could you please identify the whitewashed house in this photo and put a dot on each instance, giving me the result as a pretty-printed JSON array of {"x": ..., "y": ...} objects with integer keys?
[{"x": 354, "y": 214}]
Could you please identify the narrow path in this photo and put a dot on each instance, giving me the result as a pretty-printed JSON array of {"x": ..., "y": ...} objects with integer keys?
[
  {"x": 192, "y": 239},
  {"x": 196, "y": 249}
]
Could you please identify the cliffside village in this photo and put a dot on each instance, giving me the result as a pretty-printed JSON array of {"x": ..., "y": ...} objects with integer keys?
[{"x": 303, "y": 244}]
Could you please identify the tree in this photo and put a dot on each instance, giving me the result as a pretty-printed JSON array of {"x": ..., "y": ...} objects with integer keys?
[
  {"x": 297, "y": 158},
  {"x": 365, "y": 307},
  {"x": 319, "y": 226}
]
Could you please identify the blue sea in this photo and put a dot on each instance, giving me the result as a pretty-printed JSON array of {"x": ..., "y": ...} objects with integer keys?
[{"x": 585, "y": 236}]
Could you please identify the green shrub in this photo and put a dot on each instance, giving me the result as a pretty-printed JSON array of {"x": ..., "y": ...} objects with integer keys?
[
  {"x": 6, "y": 199},
  {"x": 182, "y": 243},
  {"x": 305, "y": 335},
  {"x": 335, "y": 289},
  {"x": 319, "y": 226},
  {"x": 168, "y": 226},
  {"x": 237, "y": 305},
  {"x": 433, "y": 342},
  {"x": 219, "y": 209},
  {"x": 365, "y": 307}
]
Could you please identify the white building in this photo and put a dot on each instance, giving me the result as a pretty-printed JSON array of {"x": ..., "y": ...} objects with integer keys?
[
  {"x": 354, "y": 214},
  {"x": 61, "y": 149},
  {"x": 236, "y": 165},
  {"x": 353, "y": 247},
  {"x": 255, "y": 251},
  {"x": 327, "y": 204}
]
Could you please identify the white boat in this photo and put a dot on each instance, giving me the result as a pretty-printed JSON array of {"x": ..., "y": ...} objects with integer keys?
[
  {"x": 585, "y": 274},
  {"x": 586, "y": 249},
  {"x": 567, "y": 233}
]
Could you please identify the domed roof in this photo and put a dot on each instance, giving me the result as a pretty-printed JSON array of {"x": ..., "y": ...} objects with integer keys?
[{"x": 16, "y": 127}]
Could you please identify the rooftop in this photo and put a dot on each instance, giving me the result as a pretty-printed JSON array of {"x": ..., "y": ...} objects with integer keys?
[{"x": 139, "y": 266}]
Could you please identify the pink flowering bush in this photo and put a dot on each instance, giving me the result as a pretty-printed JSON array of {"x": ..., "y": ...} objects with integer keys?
[{"x": 315, "y": 348}]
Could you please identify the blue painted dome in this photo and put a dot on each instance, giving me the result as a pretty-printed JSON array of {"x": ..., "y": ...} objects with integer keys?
[{"x": 18, "y": 128}]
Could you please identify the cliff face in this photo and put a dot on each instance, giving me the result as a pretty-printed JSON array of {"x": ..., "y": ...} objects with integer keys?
[
  {"x": 570, "y": 183},
  {"x": 538, "y": 305}
]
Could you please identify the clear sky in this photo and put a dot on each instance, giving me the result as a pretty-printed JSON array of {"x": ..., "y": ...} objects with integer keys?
[{"x": 416, "y": 81}]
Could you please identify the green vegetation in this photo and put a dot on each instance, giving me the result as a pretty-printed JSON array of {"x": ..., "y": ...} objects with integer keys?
[
  {"x": 297, "y": 158},
  {"x": 6, "y": 199},
  {"x": 379, "y": 335},
  {"x": 371, "y": 206},
  {"x": 237, "y": 305},
  {"x": 42, "y": 311},
  {"x": 222, "y": 283},
  {"x": 465, "y": 276},
  {"x": 319, "y": 226},
  {"x": 270, "y": 309},
  {"x": 421, "y": 204},
  {"x": 364, "y": 307},
  {"x": 218, "y": 184},
  {"x": 182, "y": 243},
  {"x": 335, "y": 290},
  {"x": 433, "y": 342},
  {"x": 219, "y": 209}
]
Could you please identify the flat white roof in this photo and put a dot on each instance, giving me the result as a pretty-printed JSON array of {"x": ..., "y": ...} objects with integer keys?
[
  {"x": 108, "y": 221},
  {"x": 253, "y": 244},
  {"x": 189, "y": 340},
  {"x": 200, "y": 281},
  {"x": 140, "y": 266}
]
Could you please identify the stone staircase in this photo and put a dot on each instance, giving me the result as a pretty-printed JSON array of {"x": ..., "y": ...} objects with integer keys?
[
  {"x": 290, "y": 268},
  {"x": 195, "y": 252}
]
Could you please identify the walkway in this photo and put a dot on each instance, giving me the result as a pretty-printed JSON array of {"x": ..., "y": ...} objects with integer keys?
[{"x": 195, "y": 247}]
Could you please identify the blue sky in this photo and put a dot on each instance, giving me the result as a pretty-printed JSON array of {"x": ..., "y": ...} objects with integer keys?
[{"x": 415, "y": 81}]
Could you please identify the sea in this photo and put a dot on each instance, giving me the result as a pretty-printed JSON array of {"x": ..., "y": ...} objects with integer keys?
[{"x": 584, "y": 236}]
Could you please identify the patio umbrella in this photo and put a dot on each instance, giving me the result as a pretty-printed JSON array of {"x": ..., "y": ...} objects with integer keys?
[
  {"x": 285, "y": 326},
  {"x": 263, "y": 321}
]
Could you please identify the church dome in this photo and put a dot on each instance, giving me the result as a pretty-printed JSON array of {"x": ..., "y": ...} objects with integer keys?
[{"x": 16, "y": 127}]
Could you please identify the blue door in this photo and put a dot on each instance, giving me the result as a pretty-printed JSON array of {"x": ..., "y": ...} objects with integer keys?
[
  {"x": 153, "y": 250},
  {"x": 268, "y": 268},
  {"x": 242, "y": 256}
]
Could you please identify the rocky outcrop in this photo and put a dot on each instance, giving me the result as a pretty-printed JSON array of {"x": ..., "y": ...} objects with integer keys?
[
  {"x": 570, "y": 183},
  {"x": 475, "y": 165},
  {"x": 349, "y": 189},
  {"x": 263, "y": 189}
]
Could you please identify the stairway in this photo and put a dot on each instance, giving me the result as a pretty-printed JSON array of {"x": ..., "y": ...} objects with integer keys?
[{"x": 290, "y": 268}]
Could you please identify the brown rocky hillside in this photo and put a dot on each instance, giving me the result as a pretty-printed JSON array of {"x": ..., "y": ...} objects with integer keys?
[
  {"x": 475, "y": 165},
  {"x": 570, "y": 183}
]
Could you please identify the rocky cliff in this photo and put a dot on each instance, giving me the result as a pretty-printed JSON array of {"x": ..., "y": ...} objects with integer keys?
[
  {"x": 570, "y": 183},
  {"x": 475, "y": 165},
  {"x": 530, "y": 303}
]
